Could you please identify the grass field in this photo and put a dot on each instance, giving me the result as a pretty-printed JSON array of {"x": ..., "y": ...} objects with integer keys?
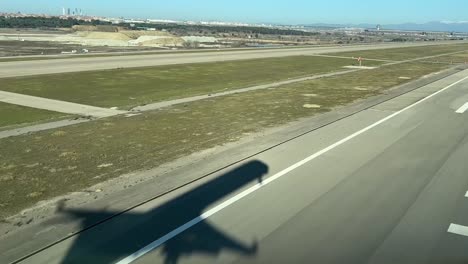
[
  {"x": 455, "y": 58},
  {"x": 52, "y": 163},
  {"x": 399, "y": 54},
  {"x": 15, "y": 115},
  {"x": 132, "y": 87},
  {"x": 28, "y": 59}
]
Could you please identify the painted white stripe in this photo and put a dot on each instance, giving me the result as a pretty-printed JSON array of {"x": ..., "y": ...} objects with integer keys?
[
  {"x": 155, "y": 244},
  {"x": 462, "y": 109},
  {"x": 466, "y": 194},
  {"x": 458, "y": 229}
]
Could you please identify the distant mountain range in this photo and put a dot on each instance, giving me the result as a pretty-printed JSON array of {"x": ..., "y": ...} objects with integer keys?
[{"x": 445, "y": 26}]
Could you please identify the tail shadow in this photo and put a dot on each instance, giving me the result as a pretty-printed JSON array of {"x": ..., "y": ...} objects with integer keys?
[{"x": 125, "y": 234}]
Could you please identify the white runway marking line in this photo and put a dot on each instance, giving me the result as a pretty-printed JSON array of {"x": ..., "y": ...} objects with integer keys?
[
  {"x": 466, "y": 194},
  {"x": 462, "y": 109},
  {"x": 458, "y": 229},
  {"x": 155, "y": 244}
]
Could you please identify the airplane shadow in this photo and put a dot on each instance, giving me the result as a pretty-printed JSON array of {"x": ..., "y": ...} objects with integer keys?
[{"x": 127, "y": 233}]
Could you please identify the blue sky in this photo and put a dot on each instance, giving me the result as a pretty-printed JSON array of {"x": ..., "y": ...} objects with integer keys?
[{"x": 256, "y": 11}]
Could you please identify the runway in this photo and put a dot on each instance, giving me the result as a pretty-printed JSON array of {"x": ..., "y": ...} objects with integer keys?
[{"x": 386, "y": 185}]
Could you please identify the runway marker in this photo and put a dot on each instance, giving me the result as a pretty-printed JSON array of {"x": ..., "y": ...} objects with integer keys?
[
  {"x": 466, "y": 194},
  {"x": 462, "y": 109},
  {"x": 155, "y": 244},
  {"x": 458, "y": 229}
]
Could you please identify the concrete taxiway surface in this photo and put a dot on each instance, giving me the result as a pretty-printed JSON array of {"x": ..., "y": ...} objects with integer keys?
[{"x": 57, "y": 105}]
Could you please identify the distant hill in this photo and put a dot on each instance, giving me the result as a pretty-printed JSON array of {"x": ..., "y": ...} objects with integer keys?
[{"x": 446, "y": 26}]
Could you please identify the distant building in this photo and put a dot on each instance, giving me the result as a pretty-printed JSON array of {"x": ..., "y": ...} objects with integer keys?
[
  {"x": 68, "y": 11},
  {"x": 378, "y": 27}
]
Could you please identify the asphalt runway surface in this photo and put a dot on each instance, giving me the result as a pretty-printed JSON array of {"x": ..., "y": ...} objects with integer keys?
[{"x": 386, "y": 185}]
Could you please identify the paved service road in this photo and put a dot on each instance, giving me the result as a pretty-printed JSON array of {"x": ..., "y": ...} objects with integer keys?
[
  {"x": 26, "y": 68},
  {"x": 386, "y": 185}
]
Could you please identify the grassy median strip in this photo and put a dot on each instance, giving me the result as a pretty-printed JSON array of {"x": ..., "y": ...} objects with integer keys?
[
  {"x": 11, "y": 114},
  {"x": 399, "y": 54},
  {"x": 51, "y": 163},
  {"x": 137, "y": 86},
  {"x": 459, "y": 58},
  {"x": 130, "y": 52},
  {"x": 28, "y": 59}
]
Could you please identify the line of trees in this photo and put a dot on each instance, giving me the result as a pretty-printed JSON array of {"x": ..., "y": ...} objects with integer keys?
[
  {"x": 42, "y": 22},
  {"x": 179, "y": 29},
  {"x": 184, "y": 29}
]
